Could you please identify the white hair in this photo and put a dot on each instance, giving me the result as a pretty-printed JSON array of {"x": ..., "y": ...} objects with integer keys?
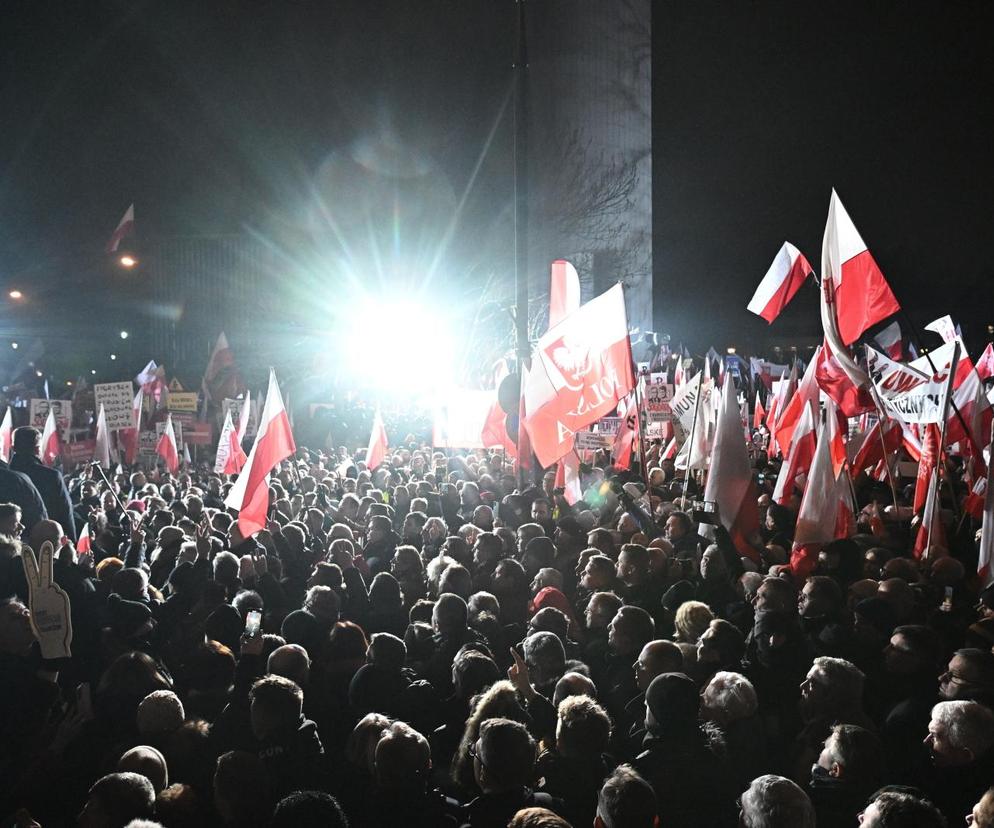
[
  {"x": 967, "y": 724},
  {"x": 776, "y": 802},
  {"x": 733, "y": 693}
]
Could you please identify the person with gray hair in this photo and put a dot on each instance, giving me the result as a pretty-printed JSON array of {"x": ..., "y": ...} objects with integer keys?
[
  {"x": 775, "y": 802},
  {"x": 729, "y": 702},
  {"x": 960, "y": 740},
  {"x": 625, "y": 800},
  {"x": 546, "y": 659}
]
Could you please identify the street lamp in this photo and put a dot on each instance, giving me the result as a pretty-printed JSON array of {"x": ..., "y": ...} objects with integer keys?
[
  {"x": 15, "y": 294},
  {"x": 127, "y": 261},
  {"x": 124, "y": 334}
]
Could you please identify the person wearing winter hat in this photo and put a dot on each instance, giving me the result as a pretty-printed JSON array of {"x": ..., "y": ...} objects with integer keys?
[
  {"x": 159, "y": 714},
  {"x": 147, "y": 761},
  {"x": 131, "y": 622}
]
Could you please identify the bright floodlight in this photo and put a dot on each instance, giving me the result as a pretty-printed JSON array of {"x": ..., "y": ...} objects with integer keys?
[
  {"x": 127, "y": 261},
  {"x": 113, "y": 356},
  {"x": 398, "y": 345},
  {"x": 124, "y": 334},
  {"x": 15, "y": 294},
  {"x": 13, "y": 345}
]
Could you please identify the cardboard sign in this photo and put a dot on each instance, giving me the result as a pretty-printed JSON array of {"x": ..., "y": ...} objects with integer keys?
[
  {"x": 117, "y": 399},
  {"x": 149, "y": 440},
  {"x": 589, "y": 441},
  {"x": 182, "y": 401},
  {"x": 39, "y": 413},
  {"x": 608, "y": 425},
  {"x": 79, "y": 452}
]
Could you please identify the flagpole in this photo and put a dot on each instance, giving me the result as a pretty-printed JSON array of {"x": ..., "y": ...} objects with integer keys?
[{"x": 693, "y": 429}]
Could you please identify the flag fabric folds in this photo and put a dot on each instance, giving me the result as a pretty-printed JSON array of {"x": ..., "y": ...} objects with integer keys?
[
  {"x": 784, "y": 278},
  {"x": 273, "y": 444},
  {"x": 221, "y": 378},
  {"x": 816, "y": 519},
  {"x": 564, "y": 291},
  {"x": 51, "y": 442},
  {"x": 6, "y": 435},
  {"x": 862, "y": 295},
  {"x": 581, "y": 370},
  {"x": 166, "y": 447},
  {"x": 101, "y": 450},
  {"x": 124, "y": 228},
  {"x": 377, "y": 449}
]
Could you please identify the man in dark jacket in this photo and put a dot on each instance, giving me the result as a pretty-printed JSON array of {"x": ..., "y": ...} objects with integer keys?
[
  {"x": 48, "y": 481},
  {"x": 18, "y": 489}
]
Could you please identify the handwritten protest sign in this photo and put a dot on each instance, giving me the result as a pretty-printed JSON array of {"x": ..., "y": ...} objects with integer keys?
[
  {"x": 182, "y": 401},
  {"x": 117, "y": 399}
]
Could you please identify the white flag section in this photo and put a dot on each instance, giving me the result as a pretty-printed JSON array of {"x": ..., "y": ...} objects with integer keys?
[
  {"x": 245, "y": 416},
  {"x": 820, "y": 503},
  {"x": 6, "y": 435},
  {"x": 460, "y": 417},
  {"x": 564, "y": 291},
  {"x": 985, "y": 563},
  {"x": 224, "y": 443},
  {"x": 378, "y": 444},
  {"x": 781, "y": 282},
  {"x": 944, "y": 327},
  {"x": 101, "y": 451}
]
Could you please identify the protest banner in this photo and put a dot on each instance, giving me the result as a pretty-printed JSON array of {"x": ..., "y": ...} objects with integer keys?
[
  {"x": 591, "y": 441},
  {"x": 196, "y": 432},
  {"x": 79, "y": 452},
  {"x": 182, "y": 401},
  {"x": 147, "y": 445},
  {"x": 39, "y": 413},
  {"x": 913, "y": 395},
  {"x": 657, "y": 398},
  {"x": 117, "y": 399}
]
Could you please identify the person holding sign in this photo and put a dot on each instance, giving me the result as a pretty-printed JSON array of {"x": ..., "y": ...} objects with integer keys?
[{"x": 49, "y": 482}]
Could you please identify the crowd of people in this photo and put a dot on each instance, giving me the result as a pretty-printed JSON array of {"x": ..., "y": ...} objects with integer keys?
[{"x": 437, "y": 643}]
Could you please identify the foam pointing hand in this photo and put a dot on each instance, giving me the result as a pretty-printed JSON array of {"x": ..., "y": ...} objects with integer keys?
[{"x": 48, "y": 603}]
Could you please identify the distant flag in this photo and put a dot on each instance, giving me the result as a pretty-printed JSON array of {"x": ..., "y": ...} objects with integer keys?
[
  {"x": 495, "y": 426},
  {"x": 221, "y": 378},
  {"x": 186, "y": 455},
  {"x": 759, "y": 413},
  {"x": 627, "y": 437},
  {"x": 564, "y": 292},
  {"x": 816, "y": 518},
  {"x": 862, "y": 295},
  {"x": 985, "y": 563},
  {"x": 125, "y": 227},
  {"x": 836, "y": 423},
  {"x": 985, "y": 365},
  {"x": 47, "y": 397},
  {"x": 51, "y": 444},
  {"x": 789, "y": 416},
  {"x": 243, "y": 418},
  {"x": 944, "y": 327},
  {"x": 230, "y": 457},
  {"x": 6, "y": 435},
  {"x": 931, "y": 532},
  {"x": 832, "y": 378},
  {"x": 166, "y": 447},
  {"x": 794, "y": 469},
  {"x": 891, "y": 340},
  {"x": 927, "y": 463},
  {"x": 128, "y": 437},
  {"x": 784, "y": 278},
  {"x": 101, "y": 451},
  {"x": 273, "y": 444},
  {"x": 378, "y": 445},
  {"x": 568, "y": 477},
  {"x": 84, "y": 546}
]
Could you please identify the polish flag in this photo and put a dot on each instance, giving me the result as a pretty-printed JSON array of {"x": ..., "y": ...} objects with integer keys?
[
  {"x": 872, "y": 451},
  {"x": 151, "y": 380},
  {"x": 581, "y": 370},
  {"x": 378, "y": 445},
  {"x": 794, "y": 470},
  {"x": 101, "y": 451},
  {"x": 221, "y": 377},
  {"x": 273, "y": 444},
  {"x": 6, "y": 435},
  {"x": 759, "y": 413},
  {"x": 564, "y": 292},
  {"x": 243, "y": 421},
  {"x": 816, "y": 519},
  {"x": 729, "y": 482},
  {"x": 84, "y": 546},
  {"x": 837, "y": 427},
  {"x": 625, "y": 439},
  {"x": 926, "y": 465},
  {"x": 931, "y": 532},
  {"x": 805, "y": 395},
  {"x": 568, "y": 477},
  {"x": 679, "y": 377},
  {"x": 166, "y": 447},
  {"x": 853, "y": 400},
  {"x": 845, "y": 518},
  {"x": 776, "y": 400},
  {"x": 124, "y": 228},
  {"x": 495, "y": 426},
  {"x": 891, "y": 341},
  {"x": 973, "y": 505},
  {"x": 231, "y": 457},
  {"x": 985, "y": 563},
  {"x": 781, "y": 282},
  {"x": 51, "y": 442},
  {"x": 985, "y": 365},
  {"x": 862, "y": 295}
]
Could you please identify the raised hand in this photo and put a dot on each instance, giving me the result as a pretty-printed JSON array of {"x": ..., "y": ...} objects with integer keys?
[
  {"x": 203, "y": 538},
  {"x": 519, "y": 676},
  {"x": 48, "y": 602}
]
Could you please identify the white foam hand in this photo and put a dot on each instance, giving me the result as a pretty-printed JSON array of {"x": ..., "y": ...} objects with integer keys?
[{"x": 48, "y": 602}]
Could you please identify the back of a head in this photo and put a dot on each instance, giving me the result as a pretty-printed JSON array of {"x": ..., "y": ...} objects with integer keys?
[
  {"x": 545, "y": 654},
  {"x": 507, "y": 754},
  {"x": 387, "y": 652},
  {"x": 241, "y": 786},
  {"x": 147, "y": 761},
  {"x": 901, "y": 809},
  {"x": 537, "y": 818},
  {"x": 308, "y": 809},
  {"x": 626, "y": 800},
  {"x": 402, "y": 759},
  {"x": 122, "y": 797},
  {"x": 776, "y": 802},
  {"x": 450, "y": 613},
  {"x": 290, "y": 661},
  {"x": 583, "y": 728}
]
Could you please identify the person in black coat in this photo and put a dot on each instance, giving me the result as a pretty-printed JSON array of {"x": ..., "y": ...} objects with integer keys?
[
  {"x": 18, "y": 489},
  {"x": 48, "y": 482}
]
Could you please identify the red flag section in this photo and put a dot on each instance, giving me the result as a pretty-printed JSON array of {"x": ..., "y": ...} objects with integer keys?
[
  {"x": 166, "y": 447},
  {"x": 790, "y": 414},
  {"x": 985, "y": 365},
  {"x": 580, "y": 372},
  {"x": 378, "y": 445},
  {"x": 759, "y": 413},
  {"x": 51, "y": 442},
  {"x": 852, "y": 400},
  {"x": 862, "y": 295},
  {"x": 273, "y": 444},
  {"x": 794, "y": 470},
  {"x": 781, "y": 282},
  {"x": 871, "y": 450},
  {"x": 816, "y": 519},
  {"x": 927, "y": 464}
]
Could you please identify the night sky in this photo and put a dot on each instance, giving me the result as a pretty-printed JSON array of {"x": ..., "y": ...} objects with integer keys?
[{"x": 216, "y": 117}]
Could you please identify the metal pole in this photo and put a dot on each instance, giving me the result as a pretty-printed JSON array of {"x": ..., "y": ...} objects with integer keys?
[{"x": 520, "y": 152}]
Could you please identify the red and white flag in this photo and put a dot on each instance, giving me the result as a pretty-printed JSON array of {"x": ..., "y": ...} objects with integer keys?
[
  {"x": 985, "y": 563},
  {"x": 927, "y": 465},
  {"x": 985, "y": 365},
  {"x": 944, "y": 327},
  {"x": 931, "y": 532},
  {"x": 128, "y": 437},
  {"x": 568, "y": 477},
  {"x": 273, "y": 444},
  {"x": 221, "y": 378},
  {"x": 51, "y": 442},
  {"x": 832, "y": 378},
  {"x": 101, "y": 450},
  {"x": 627, "y": 437},
  {"x": 729, "y": 482},
  {"x": 166, "y": 447},
  {"x": 564, "y": 291},
  {"x": 816, "y": 519},
  {"x": 243, "y": 418},
  {"x": 874, "y": 449},
  {"x": 794, "y": 470},
  {"x": 837, "y": 425},
  {"x": 805, "y": 395},
  {"x": 124, "y": 228},
  {"x": 378, "y": 445},
  {"x": 781, "y": 282},
  {"x": 862, "y": 295},
  {"x": 759, "y": 413},
  {"x": 495, "y": 426},
  {"x": 581, "y": 370},
  {"x": 891, "y": 340},
  {"x": 6, "y": 435},
  {"x": 231, "y": 457},
  {"x": 84, "y": 545}
]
